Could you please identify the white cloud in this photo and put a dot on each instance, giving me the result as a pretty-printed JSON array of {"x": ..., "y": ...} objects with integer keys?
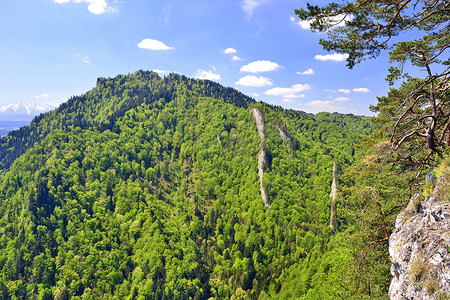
[
  {"x": 251, "y": 80},
  {"x": 152, "y": 44},
  {"x": 230, "y": 51},
  {"x": 342, "y": 99},
  {"x": 236, "y": 58},
  {"x": 45, "y": 95},
  {"x": 84, "y": 58},
  {"x": 287, "y": 100},
  {"x": 293, "y": 96},
  {"x": 335, "y": 21},
  {"x": 305, "y": 24},
  {"x": 288, "y": 92},
  {"x": 332, "y": 57},
  {"x": 329, "y": 106},
  {"x": 160, "y": 72},
  {"x": 345, "y": 91},
  {"x": 249, "y": 6},
  {"x": 307, "y": 72},
  {"x": 361, "y": 90},
  {"x": 98, "y": 6},
  {"x": 318, "y": 106},
  {"x": 95, "y": 6},
  {"x": 260, "y": 66},
  {"x": 203, "y": 74}
]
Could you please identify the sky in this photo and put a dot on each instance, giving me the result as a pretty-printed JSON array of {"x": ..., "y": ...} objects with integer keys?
[{"x": 51, "y": 50}]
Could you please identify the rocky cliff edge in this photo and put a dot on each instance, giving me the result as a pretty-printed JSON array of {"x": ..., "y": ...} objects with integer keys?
[{"x": 420, "y": 246}]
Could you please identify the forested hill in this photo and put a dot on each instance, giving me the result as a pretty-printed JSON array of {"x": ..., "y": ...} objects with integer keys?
[
  {"x": 101, "y": 107},
  {"x": 148, "y": 188}
]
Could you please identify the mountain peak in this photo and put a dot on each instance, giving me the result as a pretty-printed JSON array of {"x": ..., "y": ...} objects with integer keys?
[{"x": 29, "y": 108}]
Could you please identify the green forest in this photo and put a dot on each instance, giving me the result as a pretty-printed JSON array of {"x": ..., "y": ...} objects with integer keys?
[
  {"x": 150, "y": 187},
  {"x": 147, "y": 188}
]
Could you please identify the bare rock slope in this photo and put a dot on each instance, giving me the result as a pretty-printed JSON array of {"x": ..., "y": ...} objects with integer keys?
[
  {"x": 261, "y": 156},
  {"x": 420, "y": 247}
]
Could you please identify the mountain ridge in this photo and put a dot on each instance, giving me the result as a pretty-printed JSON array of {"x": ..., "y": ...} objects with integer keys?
[
  {"x": 20, "y": 109},
  {"x": 145, "y": 81},
  {"x": 156, "y": 194}
]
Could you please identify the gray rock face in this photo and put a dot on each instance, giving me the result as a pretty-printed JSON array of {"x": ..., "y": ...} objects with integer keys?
[
  {"x": 261, "y": 156},
  {"x": 420, "y": 248},
  {"x": 333, "y": 196}
]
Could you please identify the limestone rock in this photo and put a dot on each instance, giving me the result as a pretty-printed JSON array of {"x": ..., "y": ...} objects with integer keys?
[{"x": 420, "y": 248}]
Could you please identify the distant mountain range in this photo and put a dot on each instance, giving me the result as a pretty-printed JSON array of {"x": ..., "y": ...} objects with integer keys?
[
  {"x": 22, "y": 111},
  {"x": 16, "y": 115}
]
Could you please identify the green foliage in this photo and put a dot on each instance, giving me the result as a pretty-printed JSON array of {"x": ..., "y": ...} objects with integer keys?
[
  {"x": 370, "y": 26},
  {"x": 416, "y": 115},
  {"x": 101, "y": 107},
  {"x": 158, "y": 197}
]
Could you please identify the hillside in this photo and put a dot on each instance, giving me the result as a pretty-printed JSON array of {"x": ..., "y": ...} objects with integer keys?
[
  {"x": 101, "y": 107},
  {"x": 148, "y": 188}
]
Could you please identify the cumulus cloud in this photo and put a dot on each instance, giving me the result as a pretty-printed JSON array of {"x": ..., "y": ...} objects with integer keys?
[
  {"x": 151, "y": 44},
  {"x": 95, "y": 6},
  {"x": 304, "y": 24},
  {"x": 287, "y": 100},
  {"x": 161, "y": 72},
  {"x": 345, "y": 91},
  {"x": 307, "y": 72},
  {"x": 331, "y": 57},
  {"x": 45, "y": 95},
  {"x": 342, "y": 99},
  {"x": 361, "y": 90},
  {"x": 230, "y": 51},
  {"x": 248, "y": 6},
  {"x": 329, "y": 106},
  {"x": 335, "y": 21},
  {"x": 319, "y": 105},
  {"x": 209, "y": 75},
  {"x": 260, "y": 66},
  {"x": 256, "y": 81},
  {"x": 236, "y": 58},
  {"x": 290, "y": 92},
  {"x": 98, "y": 7},
  {"x": 293, "y": 96}
]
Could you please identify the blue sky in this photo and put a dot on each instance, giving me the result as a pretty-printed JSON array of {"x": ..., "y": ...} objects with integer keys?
[{"x": 53, "y": 49}]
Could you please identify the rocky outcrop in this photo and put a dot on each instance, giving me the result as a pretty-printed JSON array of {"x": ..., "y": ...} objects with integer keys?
[
  {"x": 420, "y": 247},
  {"x": 333, "y": 196},
  {"x": 262, "y": 155},
  {"x": 283, "y": 135}
]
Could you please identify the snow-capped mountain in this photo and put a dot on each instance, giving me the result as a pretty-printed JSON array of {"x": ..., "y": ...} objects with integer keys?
[
  {"x": 22, "y": 111},
  {"x": 14, "y": 116}
]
